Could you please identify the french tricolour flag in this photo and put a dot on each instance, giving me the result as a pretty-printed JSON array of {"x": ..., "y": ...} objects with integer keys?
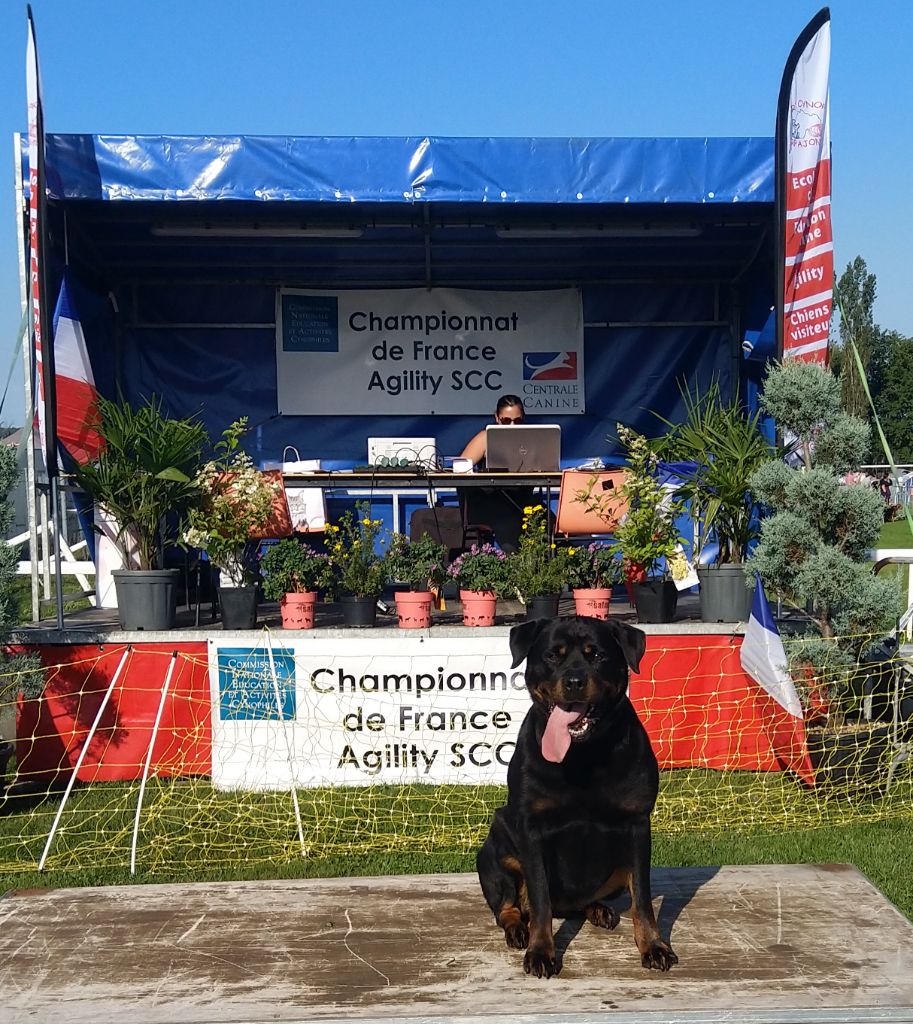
[
  {"x": 764, "y": 659},
  {"x": 77, "y": 426}
]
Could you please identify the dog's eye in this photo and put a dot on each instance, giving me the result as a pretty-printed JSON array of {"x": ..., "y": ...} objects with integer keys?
[
  {"x": 591, "y": 652},
  {"x": 555, "y": 653}
]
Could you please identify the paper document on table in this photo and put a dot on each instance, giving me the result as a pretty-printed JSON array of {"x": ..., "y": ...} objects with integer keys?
[{"x": 307, "y": 508}]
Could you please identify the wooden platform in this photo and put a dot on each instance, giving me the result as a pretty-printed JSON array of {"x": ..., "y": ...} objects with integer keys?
[{"x": 809, "y": 943}]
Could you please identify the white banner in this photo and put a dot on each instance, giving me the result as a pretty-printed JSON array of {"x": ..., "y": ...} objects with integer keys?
[
  {"x": 369, "y": 710},
  {"x": 416, "y": 352}
]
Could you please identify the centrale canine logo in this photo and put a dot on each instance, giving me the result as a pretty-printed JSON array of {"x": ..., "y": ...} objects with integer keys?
[{"x": 549, "y": 365}]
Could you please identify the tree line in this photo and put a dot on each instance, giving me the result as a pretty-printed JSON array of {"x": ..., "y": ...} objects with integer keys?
[{"x": 887, "y": 357}]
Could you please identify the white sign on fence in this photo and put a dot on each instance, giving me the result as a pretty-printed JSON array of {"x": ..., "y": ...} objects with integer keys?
[
  {"x": 365, "y": 710},
  {"x": 415, "y": 351}
]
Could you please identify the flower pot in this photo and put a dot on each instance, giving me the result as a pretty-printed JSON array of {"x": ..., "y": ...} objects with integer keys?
[
  {"x": 360, "y": 611},
  {"x": 297, "y": 610},
  {"x": 413, "y": 608},
  {"x": 542, "y": 606},
  {"x": 592, "y": 601},
  {"x": 655, "y": 600},
  {"x": 146, "y": 599},
  {"x": 849, "y": 762},
  {"x": 238, "y": 606},
  {"x": 479, "y": 607},
  {"x": 725, "y": 594}
]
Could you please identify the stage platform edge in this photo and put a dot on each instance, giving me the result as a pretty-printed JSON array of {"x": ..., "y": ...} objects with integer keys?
[{"x": 764, "y": 944}]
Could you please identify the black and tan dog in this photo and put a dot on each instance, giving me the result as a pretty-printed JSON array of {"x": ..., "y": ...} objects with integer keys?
[{"x": 581, "y": 785}]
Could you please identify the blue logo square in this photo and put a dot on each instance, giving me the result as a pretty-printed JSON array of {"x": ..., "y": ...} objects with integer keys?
[
  {"x": 310, "y": 323},
  {"x": 246, "y": 690}
]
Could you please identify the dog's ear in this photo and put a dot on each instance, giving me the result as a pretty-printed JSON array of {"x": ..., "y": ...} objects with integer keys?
[
  {"x": 632, "y": 641},
  {"x": 523, "y": 637}
]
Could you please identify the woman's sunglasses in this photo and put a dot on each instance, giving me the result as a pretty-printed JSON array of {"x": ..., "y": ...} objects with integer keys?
[{"x": 505, "y": 420}]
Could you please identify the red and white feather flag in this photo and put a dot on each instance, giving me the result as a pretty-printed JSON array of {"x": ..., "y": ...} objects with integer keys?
[{"x": 803, "y": 182}]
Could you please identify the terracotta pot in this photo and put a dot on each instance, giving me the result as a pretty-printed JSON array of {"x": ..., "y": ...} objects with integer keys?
[
  {"x": 297, "y": 610},
  {"x": 413, "y": 608},
  {"x": 592, "y": 601},
  {"x": 479, "y": 607}
]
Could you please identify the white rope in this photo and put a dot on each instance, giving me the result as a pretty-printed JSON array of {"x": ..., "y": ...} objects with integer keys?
[
  {"x": 142, "y": 785},
  {"x": 288, "y": 744},
  {"x": 81, "y": 758}
]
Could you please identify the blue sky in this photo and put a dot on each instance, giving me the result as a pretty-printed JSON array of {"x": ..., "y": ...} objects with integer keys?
[{"x": 517, "y": 68}]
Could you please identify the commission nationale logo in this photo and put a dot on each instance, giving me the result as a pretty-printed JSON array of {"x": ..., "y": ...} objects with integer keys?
[
  {"x": 549, "y": 365},
  {"x": 310, "y": 323}
]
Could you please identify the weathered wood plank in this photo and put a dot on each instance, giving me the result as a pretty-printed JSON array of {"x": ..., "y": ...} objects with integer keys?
[{"x": 810, "y": 943}]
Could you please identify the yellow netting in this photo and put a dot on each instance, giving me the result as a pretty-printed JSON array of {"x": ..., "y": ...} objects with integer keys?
[{"x": 693, "y": 697}]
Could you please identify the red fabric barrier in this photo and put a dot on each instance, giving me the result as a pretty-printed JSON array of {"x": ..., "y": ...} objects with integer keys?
[
  {"x": 52, "y": 731},
  {"x": 699, "y": 708}
]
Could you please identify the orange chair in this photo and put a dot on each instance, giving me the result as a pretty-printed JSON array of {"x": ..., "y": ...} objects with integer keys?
[{"x": 574, "y": 518}]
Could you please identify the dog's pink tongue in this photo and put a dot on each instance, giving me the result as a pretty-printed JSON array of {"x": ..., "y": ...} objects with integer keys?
[{"x": 556, "y": 739}]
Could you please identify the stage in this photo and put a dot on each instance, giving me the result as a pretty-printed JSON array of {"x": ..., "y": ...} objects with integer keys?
[{"x": 816, "y": 944}]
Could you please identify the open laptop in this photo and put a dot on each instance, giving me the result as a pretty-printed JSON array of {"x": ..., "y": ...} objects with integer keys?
[{"x": 523, "y": 447}]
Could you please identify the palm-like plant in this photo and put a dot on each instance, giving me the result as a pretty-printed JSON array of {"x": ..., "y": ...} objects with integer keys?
[
  {"x": 725, "y": 445},
  {"x": 144, "y": 476}
]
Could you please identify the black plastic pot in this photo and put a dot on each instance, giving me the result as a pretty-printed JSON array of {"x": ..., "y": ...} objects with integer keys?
[
  {"x": 238, "y": 607},
  {"x": 542, "y": 606},
  {"x": 146, "y": 598},
  {"x": 655, "y": 600},
  {"x": 358, "y": 611},
  {"x": 849, "y": 762},
  {"x": 725, "y": 595}
]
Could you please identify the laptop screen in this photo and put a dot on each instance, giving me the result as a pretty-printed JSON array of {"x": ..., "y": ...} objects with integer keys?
[{"x": 523, "y": 447}]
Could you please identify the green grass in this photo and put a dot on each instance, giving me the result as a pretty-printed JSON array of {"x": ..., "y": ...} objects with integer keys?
[
  {"x": 896, "y": 535},
  {"x": 22, "y": 596},
  {"x": 190, "y": 832}
]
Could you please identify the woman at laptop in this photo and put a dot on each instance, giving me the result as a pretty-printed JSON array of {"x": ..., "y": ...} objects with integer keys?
[
  {"x": 495, "y": 510},
  {"x": 508, "y": 410}
]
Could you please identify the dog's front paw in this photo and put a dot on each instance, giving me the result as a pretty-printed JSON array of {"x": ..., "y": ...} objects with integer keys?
[
  {"x": 659, "y": 956},
  {"x": 540, "y": 962},
  {"x": 517, "y": 935}
]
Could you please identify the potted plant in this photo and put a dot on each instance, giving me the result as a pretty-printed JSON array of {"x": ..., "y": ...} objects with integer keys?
[
  {"x": 293, "y": 572},
  {"x": 483, "y": 574},
  {"x": 647, "y": 538},
  {"x": 592, "y": 571},
  {"x": 22, "y": 678},
  {"x": 359, "y": 571},
  {"x": 538, "y": 567},
  {"x": 421, "y": 564},
  {"x": 236, "y": 502},
  {"x": 812, "y": 552},
  {"x": 145, "y": 480},
  {"x": 719, "y": 445}
]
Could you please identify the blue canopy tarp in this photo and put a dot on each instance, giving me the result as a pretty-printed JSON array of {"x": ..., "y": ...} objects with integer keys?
[{"x": 183, "y": 242}]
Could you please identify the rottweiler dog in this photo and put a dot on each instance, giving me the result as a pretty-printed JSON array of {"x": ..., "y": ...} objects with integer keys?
[{"x": 580, "y": 789}]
